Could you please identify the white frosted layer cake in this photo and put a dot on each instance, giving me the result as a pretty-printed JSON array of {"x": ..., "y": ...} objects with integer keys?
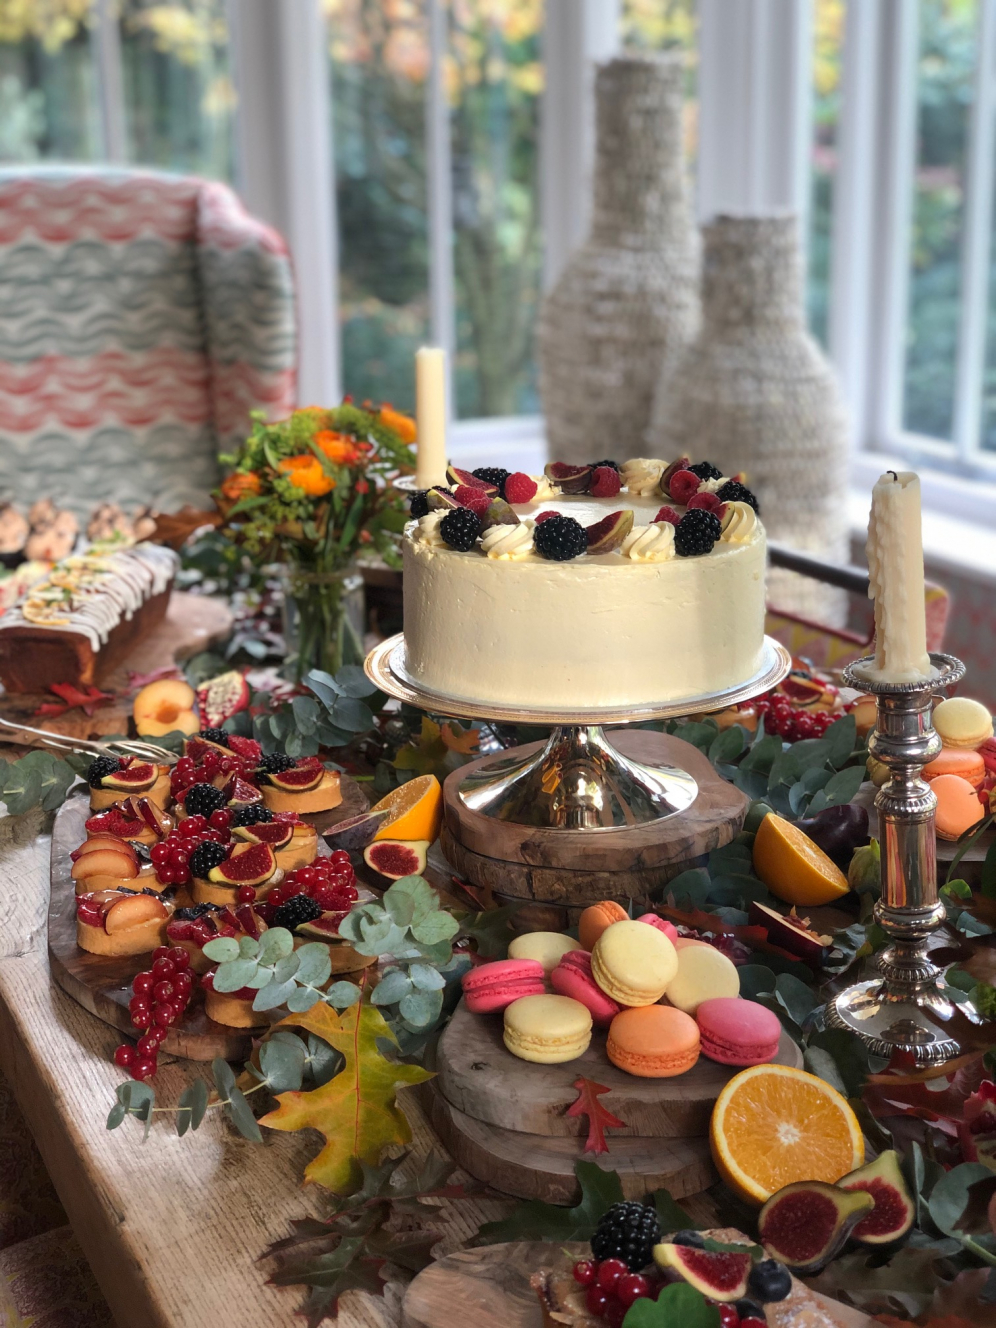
[{"x": 637, "y": 624}]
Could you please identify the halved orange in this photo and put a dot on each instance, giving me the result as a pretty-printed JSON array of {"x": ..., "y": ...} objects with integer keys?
[
  {"x": 773, "y": 1125},
  {"x": 792, "y": 867},
  {"x": 414, "y": 810}
]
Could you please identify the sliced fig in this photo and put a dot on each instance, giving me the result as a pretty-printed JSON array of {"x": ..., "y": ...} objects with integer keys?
[
  {"x": 720, "y": 1276},
  {"x": 441, "y": 500},
  {"x": 325, "y": 928},
  {"x": 278, "y": 834},
  {"x": 220, "y": 698},
  {"x": 356, "y": 833},
  {"x": 571, "y": 479},
  {"x": 136, "y": 778},
  {"x": 894, "y": 1210},
  {"x": 247, "y": 747},
  {"x": 198, "y": 747},
  {"x": 499, "y": 513},
  {"x": 805, "y": 1224},
  {"x": 665, "y": 481},
  {"x": 395, "y": 858},
  {"x": 249, "y": 864},
  {"x": 791, "y": 933},
  {"x": 239, "y": 793},
  {"x": 115, "y": 821},
  {"x": 456, "y": 476},
  {"x": 609, "y": 533},
  {"x": 302, "y": 779}
]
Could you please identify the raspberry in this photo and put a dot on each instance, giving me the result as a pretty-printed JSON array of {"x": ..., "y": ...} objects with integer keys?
[
  {"x": 684, "y": 483},
  {"x": 476, "y": 499},
  {"x": 520, "y": 488},
  {"x": 545, "y": 516},
  {"x": 605, "y": 482},
  {"x": 461, "y": 527},
  {"x": 708, "y": 502},
  {"x": 668, "y": 514},
  {"x": 560, "y": 539}
]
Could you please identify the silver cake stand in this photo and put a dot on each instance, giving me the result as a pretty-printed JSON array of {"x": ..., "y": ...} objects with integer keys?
[{"x": 579, "y": 780}]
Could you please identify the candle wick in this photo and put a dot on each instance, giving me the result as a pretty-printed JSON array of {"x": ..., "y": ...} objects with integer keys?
[{"x": 893, "y": 474}]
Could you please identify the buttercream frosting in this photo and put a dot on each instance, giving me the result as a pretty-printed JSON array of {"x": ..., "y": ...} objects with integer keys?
[
  {"x": 650, "y": 544},
  {"x": 713, "y": 486},
  {"x": 427, "y": 530},
  {"x": 545, "y": 489},
  {"x": 509, "y": 543},
  {"x": 740, "y": 523},
  {"x": 641, "y": 475}
]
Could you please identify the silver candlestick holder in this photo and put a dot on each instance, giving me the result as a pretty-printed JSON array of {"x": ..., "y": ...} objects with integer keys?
[{"x": 904, "y": 1008}]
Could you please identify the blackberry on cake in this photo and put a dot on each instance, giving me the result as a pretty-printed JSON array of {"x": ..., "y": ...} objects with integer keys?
[
  {"x": 460, "y": 528},
  {"x": 218, "y": 736},
  {"x": 614, "y": 464},
  {"x": 275, "y": 764},
  {"x": 96, "y": 770},
  {"x": 203, "y": 799},
  {"x": 297, "y": 911},
  {"x": 495, "y": 475},
  {"x": 705, "y": 470},
  {"x": 560, "y": 538},
  {"x": 735, "y": 492},
  {"x": 250, "y": 813},
  {"x": 205, "y": 856},
  {"x": 418, "y": 504},
  {"x": 628, "y": 1231},
  {"x": 696, "y": 533}
]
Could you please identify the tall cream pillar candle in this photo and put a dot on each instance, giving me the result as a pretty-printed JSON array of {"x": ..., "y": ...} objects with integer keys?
[
  {"x": 895, "y": 566},
  {"x": 430, "y": 410}
]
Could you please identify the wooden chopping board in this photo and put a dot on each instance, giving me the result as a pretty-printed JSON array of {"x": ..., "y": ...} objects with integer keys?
[
  {"x": 479, "y": 1077},
  {"x": 103, "y": 985}
]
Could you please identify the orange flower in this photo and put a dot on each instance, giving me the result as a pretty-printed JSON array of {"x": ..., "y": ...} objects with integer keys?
[
  {"x": 240, "y": 484},
  {"x": 403, "y": 425},
  {"x": 338, "y": 447},
  {"x": 305, "y": 473}
]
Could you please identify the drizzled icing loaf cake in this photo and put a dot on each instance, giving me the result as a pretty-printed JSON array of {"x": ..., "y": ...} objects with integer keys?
[
  {"x": 80, "y": 621},
  {"x": 601, "y": 585}
]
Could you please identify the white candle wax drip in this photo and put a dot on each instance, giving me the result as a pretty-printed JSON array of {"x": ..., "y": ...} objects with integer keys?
[
  {"x": 895, "y": 568},
  {"x": 430, "y": 410}
]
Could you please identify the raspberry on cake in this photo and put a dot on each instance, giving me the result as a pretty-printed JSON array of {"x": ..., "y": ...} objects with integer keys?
[
  {"x": 121, "y": 922},
  {"x": 520, "y": 488}
]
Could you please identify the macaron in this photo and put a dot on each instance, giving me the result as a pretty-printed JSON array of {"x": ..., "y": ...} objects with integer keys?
[
  {"x": 684, "y": 941},
  {"x": 572, "y": 977},
  {"x": 703, "y": 971},
  {"x": 545, "y": 947},
  {"x": 596, "y": 918},
  {"x": 633, "y": 963},
  {"x": 547, "y": 1029},
  {"x": 653, "y": 1042},
  {"x": 737, "y": 1032},
  {"x": 662, "y": 925},
  {"x": 957, "y": 761},
  {"x": 962, "y": 722},
  {"x": 958, "y": 806},
  {"x": 491, "y": 987}
]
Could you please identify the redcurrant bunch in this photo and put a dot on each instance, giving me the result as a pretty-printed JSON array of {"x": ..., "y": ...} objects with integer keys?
[
  {"x": 329, "y": 881},
  {"x": 171, "y": 856},
  {"x": 159, "y": 997}
]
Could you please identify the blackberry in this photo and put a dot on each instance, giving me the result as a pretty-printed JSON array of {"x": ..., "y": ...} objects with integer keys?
[
  {"x": 769, "y": 1281},
  {"x": 460, "y": 528},
  {"x": 705, "y": 471},
  {"x": 205, "y": 856},
  {"x": 734, "y": 492},
  {"x": 495, "y": 475},
  {"x": 274, "y": 764},
  {"x": 197, "y": 911},
  {"x": 419, "y": 503},
  {"x": 96, "y": 770},
  {"x": 302, "y": 908},
  {"x": 203, "y": 799},
  {"x": 628, "y": 1231},
  {"x": 560, "y": 538},
  {"x": 614, "y": 464},
  {"x": 696, "y": 532},
  {"x": 218, "y": 736},
  {"x": 688, "y": 1237},
  {"x": 250, "y": 814}
]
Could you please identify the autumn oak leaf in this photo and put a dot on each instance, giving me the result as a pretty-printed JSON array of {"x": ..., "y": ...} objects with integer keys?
[
  {"x": 357, "y": 1110},
  {"x": 600, "y": 1118}
]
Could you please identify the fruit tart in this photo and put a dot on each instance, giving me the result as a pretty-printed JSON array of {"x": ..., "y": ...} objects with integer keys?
[
  {"x": 232, "y": 1008},
  {"x": 138, "y": 819},
  {"x": 105, "y": 863},
  {"x": 294, "y": 842},
  {"x": 112, "y": 778},
  {"x": 233, "y": 873},
  {"x": 190, "y": 929},
  {"x": 121, "y": 922},
  {"x": 303, "y": 786},
  {"x": 312, "y": 901}
]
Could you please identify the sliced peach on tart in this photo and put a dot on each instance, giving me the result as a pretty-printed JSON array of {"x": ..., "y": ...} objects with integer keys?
[
  {"x": 121, "y": 922},
  {"x": 305, "y": 787}
]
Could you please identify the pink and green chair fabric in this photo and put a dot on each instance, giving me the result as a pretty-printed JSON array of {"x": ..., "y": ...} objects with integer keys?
[{"x": 142, "y": 316}]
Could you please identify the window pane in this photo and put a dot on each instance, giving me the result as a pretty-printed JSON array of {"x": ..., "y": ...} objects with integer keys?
[
  {"x": 494, "y": 78},
  {"x": 827, "y": 52},
  {"x": 179, "y": 97},
  {"x": 945, "y": 68},
  {"x": 379, "y": 61},
  {"x": 48, "y": 105}
]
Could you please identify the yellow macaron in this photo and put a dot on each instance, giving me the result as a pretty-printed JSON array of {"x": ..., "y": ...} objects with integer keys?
[
  {"x": 546, "y": 947},
  {"x": 703, "y": 972},
  {"x": 633, "y": 963},
  {"x": 547, "y": 1029},
  {"x": 962, "y": 722}
]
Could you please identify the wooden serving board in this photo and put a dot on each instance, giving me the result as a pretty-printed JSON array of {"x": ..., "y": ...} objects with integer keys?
[
  {"x": 481, "y": 1079},
  {"x": 489, "y": 1288},
  {"x": 103, "y": 985}
]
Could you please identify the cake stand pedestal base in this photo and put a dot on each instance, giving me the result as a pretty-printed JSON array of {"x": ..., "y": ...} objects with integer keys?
[{"x": 555, "y": 873}]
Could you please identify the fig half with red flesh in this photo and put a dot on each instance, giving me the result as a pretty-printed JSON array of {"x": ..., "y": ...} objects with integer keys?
[
  {"x": 894, "y": 1210},
  {"x": 791, "y": 933},
  {"x": 805, "y": 1224},
  {"x": 456, "y": 477},
  {"x": 135, "y": 778},
  {"x": 302, "y": 779},
  {"x": 278, "y": 834},
  {"x": 249, "y": 864},
  {"x": 240, "y": 793},
  {"x": 719, "y": 1275},
  {"x": 395, "y": 858},
  {"x": 571, "y": 479},
  {"x": 609, "y": 533}
]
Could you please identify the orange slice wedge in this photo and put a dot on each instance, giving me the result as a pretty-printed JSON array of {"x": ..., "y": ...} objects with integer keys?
[
  {"x": 773, "y": 1125},
  {"x": 793, "y": 868},
  {"x": 414, "y": 811}
]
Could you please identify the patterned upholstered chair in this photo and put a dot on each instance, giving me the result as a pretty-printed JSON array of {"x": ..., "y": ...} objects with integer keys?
[{"x": 142, "y": 316}]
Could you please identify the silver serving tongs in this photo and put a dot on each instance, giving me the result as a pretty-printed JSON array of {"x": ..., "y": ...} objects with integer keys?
[{"x": 148, "y": 751}]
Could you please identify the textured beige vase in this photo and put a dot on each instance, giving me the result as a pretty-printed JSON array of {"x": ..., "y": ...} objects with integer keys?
[
  {"x": 755, "y": 392},
  {"x": 628, "y": 298}
]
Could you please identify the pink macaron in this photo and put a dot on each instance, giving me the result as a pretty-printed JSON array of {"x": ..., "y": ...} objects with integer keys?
[
  {"x": 572, "y": 977},
  {"x": 668, "y": 928},
  {"x": 737, "y": 1032},
  {"x": 491, "y": 987}
]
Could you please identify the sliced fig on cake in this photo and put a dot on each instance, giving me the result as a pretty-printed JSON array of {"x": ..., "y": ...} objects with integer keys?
[
  {"x": 665, "y": 480},
  {"x": 499, "y": 513},
  {"x": 395, "y": 858},
  {"x": 456, "y": 477},
  {"x": 220, "y": 698},
  {"x": 354, "y": 834},
  {"x": 301, "y": 779},
  {"x": 894, "y": 1211},
  {"x": 278, "y": 834},
  {"x": 441, "y": 500},
  {"x": 571, "y": 479},
  {"x": 324, "y": 928},
  {"x": 133, "y": 778},
  {"x": 239, "y": 793},
  {"x": 805, "y": 1224},
  {"x": 249, "y": 864},
  {"x": 609, "y": 533},
  {"x": 719, "y": 1275}
]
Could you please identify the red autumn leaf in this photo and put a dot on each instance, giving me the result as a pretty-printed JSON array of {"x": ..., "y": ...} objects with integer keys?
[
  {"x": 600, "y": 1118},
  {"x": 902, "y": 1090},
  {"x": 51, "y": 708},
  {"x": 87, "y": 698},
  {"x": 137, "y": 680},
  {"x": 754, "y": 937}
]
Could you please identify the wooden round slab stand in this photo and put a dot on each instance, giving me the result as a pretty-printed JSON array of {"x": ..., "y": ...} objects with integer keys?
[
  {"x": 505, "y": 1120},
  {"x": 103, "y": 985},
  {"x": 562, "y": 871}
]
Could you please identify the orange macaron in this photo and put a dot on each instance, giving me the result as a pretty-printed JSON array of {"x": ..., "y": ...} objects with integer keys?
[
  {"x": 957, "y": 761},
  {"x": 958, "y": 806},
  {"x": 596, "y": 918},
  {"x": 653, "y": 1041}
]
